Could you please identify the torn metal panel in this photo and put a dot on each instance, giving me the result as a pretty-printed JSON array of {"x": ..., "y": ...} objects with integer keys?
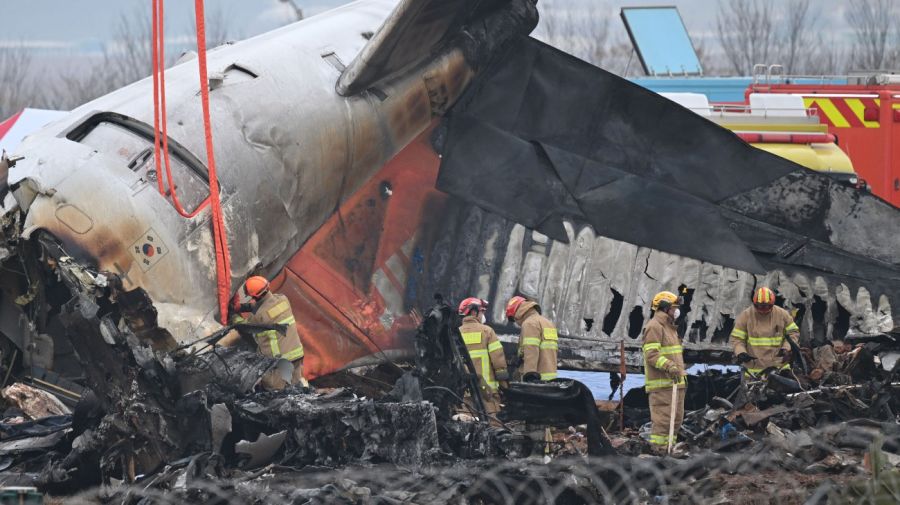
[
  {"x": 611, "y": 283},
  {"x": 568, "y": 402},
  {"x": 476, "y": 440},
  {"x": 339, "y": 429},
  {"x": 614, "y": 146},
  {"x": 262, "y": 450},
  {"x": 231, "y": 371},
  {"x": 813, "y": 206},
  {"x": 38, "y": 427},
  {"x": 599, "y": 169},
  {"x": 40, "y": 443}
]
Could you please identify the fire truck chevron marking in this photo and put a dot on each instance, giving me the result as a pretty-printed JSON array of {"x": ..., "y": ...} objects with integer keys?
[{"x": 828, "y": 111}]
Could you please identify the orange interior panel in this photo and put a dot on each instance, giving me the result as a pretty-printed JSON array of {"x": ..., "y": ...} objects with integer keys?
[{"x": 348, "y": 284}]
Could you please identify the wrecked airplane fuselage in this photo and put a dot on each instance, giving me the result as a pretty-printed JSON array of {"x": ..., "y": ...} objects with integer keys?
[
  {"x": 292, "y": 151},
  {"x": 344, "y": 183}
]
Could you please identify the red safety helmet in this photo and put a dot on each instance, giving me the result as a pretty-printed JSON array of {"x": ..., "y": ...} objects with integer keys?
[
  {"x": 256, "y": 287},
  {"x": 763, "y": 300},
  {"x": 471, "y": 304},
  {"x": 513, "y": 305}
]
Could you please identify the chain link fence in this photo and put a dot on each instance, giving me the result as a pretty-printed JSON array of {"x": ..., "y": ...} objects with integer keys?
[{"x": 841, "y": 463}]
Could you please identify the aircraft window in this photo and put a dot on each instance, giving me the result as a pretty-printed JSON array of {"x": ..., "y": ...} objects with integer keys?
[
  {"x": 110, "y": 139},
  {"x": 190, "y": 188},
  {"x": 132, "y": 142}
]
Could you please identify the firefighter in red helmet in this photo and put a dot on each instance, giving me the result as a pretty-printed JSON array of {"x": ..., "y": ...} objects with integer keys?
[
  {"x": 538, "y": 340},
  {"x": 254, "y": 303},
  {"x": 760, "y": 338},
  {"x": 485, "y": 350}
]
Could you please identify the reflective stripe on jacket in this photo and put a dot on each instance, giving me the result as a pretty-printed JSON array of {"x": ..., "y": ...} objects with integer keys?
[
  {"x": 485, "y": 350},
  {"x": 661, "y": 347},
  {"x": 538, "y": 342}
]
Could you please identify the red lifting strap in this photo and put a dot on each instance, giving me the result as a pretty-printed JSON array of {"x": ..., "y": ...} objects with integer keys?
[{"x": 220, "y": 239}]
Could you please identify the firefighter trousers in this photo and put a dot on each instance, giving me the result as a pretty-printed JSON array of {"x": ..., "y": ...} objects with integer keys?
[
  {"x": 660, "y": 413},
  {"x": 491, "y": 401}
]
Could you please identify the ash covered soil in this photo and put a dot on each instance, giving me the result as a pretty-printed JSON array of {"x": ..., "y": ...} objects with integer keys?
[{"x": 361, "y": 444}]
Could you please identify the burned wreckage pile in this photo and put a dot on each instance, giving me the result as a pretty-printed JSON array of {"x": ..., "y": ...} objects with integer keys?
[
  {"x": 148, "y": 421},
  {"x": 159, "y": 427},
  {"x": 175, "y": 421}
]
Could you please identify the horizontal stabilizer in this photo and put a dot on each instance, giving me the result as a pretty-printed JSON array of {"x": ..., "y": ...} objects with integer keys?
[{"x": 543, "y": 136}]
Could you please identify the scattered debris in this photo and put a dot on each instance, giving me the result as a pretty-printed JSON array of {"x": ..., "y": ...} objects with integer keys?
[
  {"x": 262, "y": 451},
  {"x": 163, "y": 413},
  {"x": 33, "y": 403}
]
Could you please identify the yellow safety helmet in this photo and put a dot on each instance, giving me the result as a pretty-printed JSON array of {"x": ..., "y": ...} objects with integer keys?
[{"x": 665, "y": 299}]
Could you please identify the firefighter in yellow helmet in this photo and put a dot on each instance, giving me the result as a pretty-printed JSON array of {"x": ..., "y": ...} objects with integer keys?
[
  {"x": 663, "y": 367},
  {"x": 538, "y": 341},
  {"x": 485, "y": 350},
  {"x": 761, "y": 332},
  {"x": 254, "y": 303}
]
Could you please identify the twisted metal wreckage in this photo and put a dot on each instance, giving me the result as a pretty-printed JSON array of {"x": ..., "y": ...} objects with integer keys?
[{"x": 364, "y": 169}]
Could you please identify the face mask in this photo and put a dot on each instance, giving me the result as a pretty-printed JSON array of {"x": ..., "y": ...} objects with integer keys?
[
  {"x": 482, "y": 318},
  {"x": 676, "y": 314}
]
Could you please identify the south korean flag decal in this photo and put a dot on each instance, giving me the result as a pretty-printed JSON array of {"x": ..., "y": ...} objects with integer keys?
[{"x": 148, "y": 250}]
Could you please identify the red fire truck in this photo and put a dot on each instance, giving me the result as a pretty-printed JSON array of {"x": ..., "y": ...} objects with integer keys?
[{"x": 864, "y": 117}]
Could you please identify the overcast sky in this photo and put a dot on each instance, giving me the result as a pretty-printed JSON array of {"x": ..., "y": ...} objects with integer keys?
[
  {"x": 61, "y": 30},
  {"x": 85, "y": 25}
]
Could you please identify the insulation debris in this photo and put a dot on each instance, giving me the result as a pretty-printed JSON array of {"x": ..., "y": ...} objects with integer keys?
[{"x": 33, "y": 403}]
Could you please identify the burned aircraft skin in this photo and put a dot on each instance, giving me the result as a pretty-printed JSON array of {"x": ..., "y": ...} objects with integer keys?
[
  {"x": 627, "y": 197},
  {"x": 437, "y": 160},
  {"x": 292, "y": 150}
]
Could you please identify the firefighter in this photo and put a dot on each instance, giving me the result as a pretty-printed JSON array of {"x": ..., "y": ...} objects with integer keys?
[
  {"x": 255, "y": 304},
  {"x": 761, "y": 332},
  {"x": 537, "y": 341},
  {"x": 485, "y": 350},
  {"x": 663, "y": 368}
]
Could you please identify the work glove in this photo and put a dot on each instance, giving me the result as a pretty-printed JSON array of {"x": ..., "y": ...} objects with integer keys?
[
  {"x": 532, "y": 377},
  {"x": 501, "y": 375},
  {"x": 674, "y": 372},
  {"x": 235, "y": 304},
  {"x": 742, "y": 358},
  {"x": 786, "y": 355}
]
